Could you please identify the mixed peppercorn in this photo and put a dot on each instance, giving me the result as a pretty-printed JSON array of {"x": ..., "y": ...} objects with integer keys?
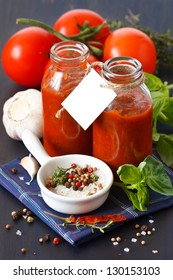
[
  {"x": 23, "y": 213},
  {"x": 73, "y": 177},
  {"x": 141, "y": 236},
  {"x": 28, "y": 215}
]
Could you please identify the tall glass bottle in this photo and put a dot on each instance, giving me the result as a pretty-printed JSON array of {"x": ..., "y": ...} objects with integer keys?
[
  {"x": 62, "y": 134},
  {"x": 123, "y": 132}
]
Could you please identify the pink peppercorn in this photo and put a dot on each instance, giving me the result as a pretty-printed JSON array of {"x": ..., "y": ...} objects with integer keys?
[
  {"x": 70, "y": 176},
  {"x": 56, "y": 241},
  {"x": 73, "y": 165},
  {"x": 90, "y": 169},
  {"x": 78, "y": 184}
]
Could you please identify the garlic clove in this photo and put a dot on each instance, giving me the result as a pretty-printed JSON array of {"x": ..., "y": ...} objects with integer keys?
[{"x": 30, "y": 165}]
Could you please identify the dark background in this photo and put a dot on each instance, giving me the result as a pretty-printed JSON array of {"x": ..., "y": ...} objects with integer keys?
[{"x": 155, "y": 14}]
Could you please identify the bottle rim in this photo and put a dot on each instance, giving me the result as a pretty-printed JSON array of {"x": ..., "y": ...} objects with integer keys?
[
  {"x": 74, "y": 46},
  {"x": 121, "y": 68}
]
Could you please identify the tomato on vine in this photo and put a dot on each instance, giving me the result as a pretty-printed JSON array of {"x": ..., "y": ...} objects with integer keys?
[
  {"x": 74, "y": 21},
  {"x": 132, "y": 42}
]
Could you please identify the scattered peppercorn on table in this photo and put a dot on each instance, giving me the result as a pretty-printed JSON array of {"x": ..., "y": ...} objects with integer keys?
[{"x": 146, "y": 237}]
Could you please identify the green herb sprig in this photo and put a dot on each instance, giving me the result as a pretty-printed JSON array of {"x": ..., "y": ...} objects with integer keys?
[
  {"x": 60, "y": 175},
  {"x": 163, "y": 113},
  {"x": 94, "y": 226},
  {"x": 136, "y": 181}
]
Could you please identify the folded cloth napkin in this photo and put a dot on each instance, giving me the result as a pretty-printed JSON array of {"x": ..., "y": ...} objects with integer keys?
[{"x": 117, "y": 203}]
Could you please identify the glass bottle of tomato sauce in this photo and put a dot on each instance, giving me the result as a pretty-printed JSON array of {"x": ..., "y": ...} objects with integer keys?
[
  {"x": 61, "y": 133},
  {"x": 123, "y": 132}
]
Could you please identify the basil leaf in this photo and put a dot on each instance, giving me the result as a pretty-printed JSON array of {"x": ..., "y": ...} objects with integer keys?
[
  {"x": 139, "y": 198},
  {"x": 162, "y": 112},
  {"x": 129, "y": 174},
  {"x": 143, "y": 197},
  {"x": 166, "y": 114},
  {"x": 164, "y": 148},
  {"x": 158, "y": 104},
  {"x": 134, "y": 185},
  {"x": 134, "y": 199},
  {"x": 153, "y": 82},
  {"x": 156, "y": 177}
]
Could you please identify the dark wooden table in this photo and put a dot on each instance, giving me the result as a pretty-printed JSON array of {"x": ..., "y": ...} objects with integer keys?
[{"x": 155, "y": 14}]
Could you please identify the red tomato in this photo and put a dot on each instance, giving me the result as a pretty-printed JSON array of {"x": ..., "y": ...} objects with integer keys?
[
  {"x": 68, "y": 23},
  {"x": 128, "y": 41},
  {"x": 25, "y": 55}
]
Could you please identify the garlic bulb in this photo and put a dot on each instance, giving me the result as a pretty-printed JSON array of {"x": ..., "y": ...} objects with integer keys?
[
  {"x": 23, "y": 111},
  {"x": 30, "y": 165}
]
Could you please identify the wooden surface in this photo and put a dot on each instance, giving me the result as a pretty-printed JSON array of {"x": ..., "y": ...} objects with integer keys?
[{"x": 156, "y": 14}]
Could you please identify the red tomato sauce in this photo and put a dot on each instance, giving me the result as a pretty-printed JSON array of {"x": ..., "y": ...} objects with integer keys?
[
  {"x": 62, "y": 135},
  {"x": 123, "y": 132}
]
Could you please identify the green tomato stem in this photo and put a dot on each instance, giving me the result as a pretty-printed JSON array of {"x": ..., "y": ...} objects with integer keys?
[
  {"x": 170, "y": 86},
  {"x": 98, "y": 52},
  {"x": 83, "y": 35},
  {"x": 46, "y": 27}
]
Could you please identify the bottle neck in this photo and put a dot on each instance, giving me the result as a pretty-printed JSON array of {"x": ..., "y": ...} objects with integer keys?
[
  {"x": 123, "y": 71},
  {"x": 69, "y": 55}
]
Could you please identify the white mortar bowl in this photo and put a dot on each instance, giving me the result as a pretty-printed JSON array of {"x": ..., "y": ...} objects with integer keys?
[{"x": 64, "y": 204}]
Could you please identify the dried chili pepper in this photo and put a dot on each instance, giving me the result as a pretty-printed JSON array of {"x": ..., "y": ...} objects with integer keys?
[
  {"x": 100, "y": 219},
  {"x": 91, "y": 221}
]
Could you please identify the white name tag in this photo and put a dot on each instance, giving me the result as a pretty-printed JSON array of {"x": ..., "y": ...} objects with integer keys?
[{"x": 89, "y": 99}]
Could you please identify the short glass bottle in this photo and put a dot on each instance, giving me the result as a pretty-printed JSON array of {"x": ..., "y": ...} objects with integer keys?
[
  {"x": 61, "y": 133},
  {"x": 123, "y": 132}
]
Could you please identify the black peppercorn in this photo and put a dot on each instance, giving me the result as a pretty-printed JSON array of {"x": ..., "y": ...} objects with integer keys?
[
  {"x": 89, "y": 181},
  {"x": 14, "y": 170},
  {"x": 19, "y": 213},
  {"x": 46, "y": 237},
  {"x": 29, "y": 213},
  {"x": 85, "y": 169},
  {"x": 68, "y": 185},
  {"x": 75, "y": 188},
  {"x": 144, "y": 227},
  {"x": 53, "y": 184}
]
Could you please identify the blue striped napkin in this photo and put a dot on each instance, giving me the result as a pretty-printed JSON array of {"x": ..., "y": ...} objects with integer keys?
[{"x": 116, "y": 203}]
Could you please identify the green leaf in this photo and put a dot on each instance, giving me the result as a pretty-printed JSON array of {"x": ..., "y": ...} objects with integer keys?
[
  {"x": 134, "y": 199},
  {"x": 153, "y": 82},
  {"x": 164, "y": 148},
  {"x": 138, "y": 198},
  {"x": 143, "y": 197},
  {"x": 158, "y": 103},
  {"x": 129, "y": 174},
  {"x": 166, "y": 115},
  {"x": 156, "y": 177},
  {"x": 134, "y": 185},
  {"x": 162, "y": 102}
]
